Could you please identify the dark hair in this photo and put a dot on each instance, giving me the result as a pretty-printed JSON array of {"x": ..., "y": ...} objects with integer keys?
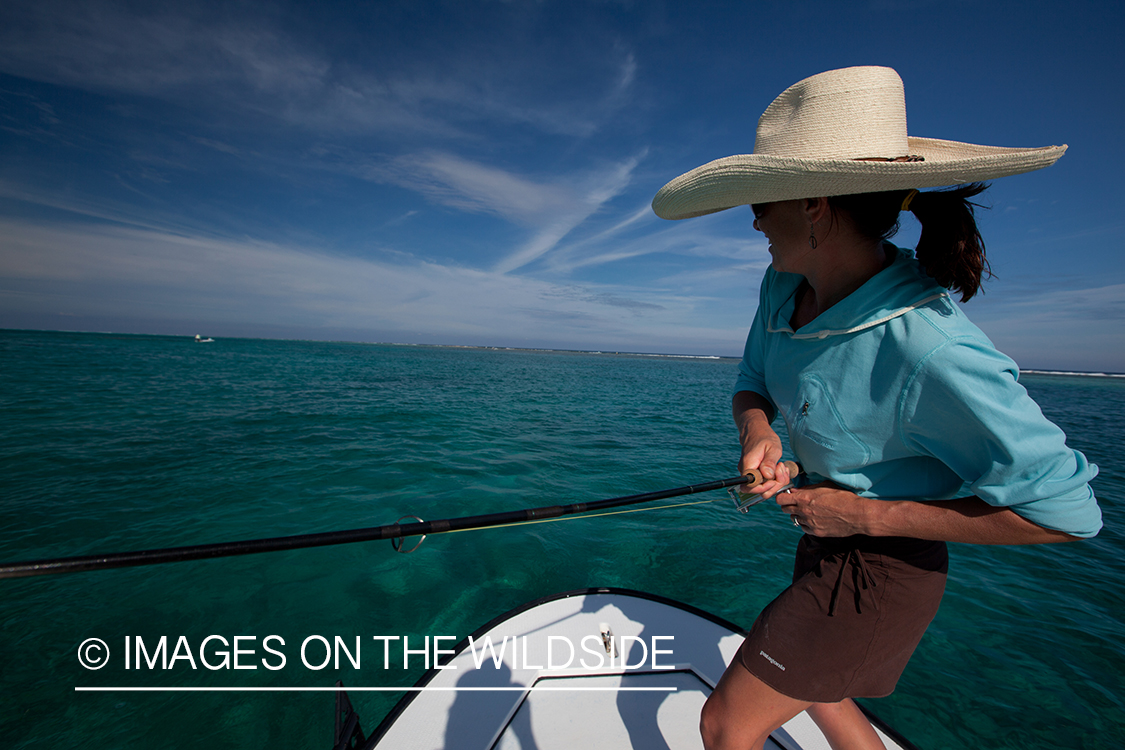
[{"x": 950, "y": 247}]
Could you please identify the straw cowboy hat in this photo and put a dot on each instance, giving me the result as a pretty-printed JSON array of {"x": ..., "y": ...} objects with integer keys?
[{"x": 839, "y": 133}]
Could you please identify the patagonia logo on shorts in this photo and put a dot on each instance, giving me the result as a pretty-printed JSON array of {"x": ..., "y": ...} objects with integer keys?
[{"x": 772, "y": 660}]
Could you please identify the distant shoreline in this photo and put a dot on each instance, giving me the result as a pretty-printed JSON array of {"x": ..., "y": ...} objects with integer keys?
[
  {"x": 562, "y": 351},
  {"x": 1067, "y": 373}
]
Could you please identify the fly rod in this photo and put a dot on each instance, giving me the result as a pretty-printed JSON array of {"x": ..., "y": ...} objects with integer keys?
[{"x": 391, "y": 531}]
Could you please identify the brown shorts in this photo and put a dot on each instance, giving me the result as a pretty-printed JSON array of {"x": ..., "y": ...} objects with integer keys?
[{"x": 855, "y": 613}]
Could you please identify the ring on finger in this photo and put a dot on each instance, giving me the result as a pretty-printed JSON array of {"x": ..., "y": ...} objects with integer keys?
[{"x": 795, "y": 521}]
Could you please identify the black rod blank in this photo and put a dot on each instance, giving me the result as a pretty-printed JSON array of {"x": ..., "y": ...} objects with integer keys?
[{"x": 302, "y": 541}]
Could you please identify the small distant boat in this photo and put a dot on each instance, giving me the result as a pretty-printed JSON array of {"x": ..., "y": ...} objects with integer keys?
[
  {"x": 200, "y": 340},
  {"x": 593, "y": 669}
]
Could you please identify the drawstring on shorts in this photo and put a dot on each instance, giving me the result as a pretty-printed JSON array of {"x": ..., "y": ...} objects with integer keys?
[{"x": 861, "y": 579}]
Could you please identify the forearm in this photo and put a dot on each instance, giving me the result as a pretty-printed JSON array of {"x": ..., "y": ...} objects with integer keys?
[
  {"x": 966, "y": 520},
  {"x": 752, "y": 412}
]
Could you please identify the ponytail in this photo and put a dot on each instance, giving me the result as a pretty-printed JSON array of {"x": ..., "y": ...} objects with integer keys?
[{"x": 950, "y": 248}]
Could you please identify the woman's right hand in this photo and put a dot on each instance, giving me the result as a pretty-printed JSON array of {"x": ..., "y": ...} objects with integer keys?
[{"x": 761, "y": 446}]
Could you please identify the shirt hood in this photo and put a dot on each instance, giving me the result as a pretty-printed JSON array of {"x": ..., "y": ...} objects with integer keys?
[{"x": 896, "y": 290}]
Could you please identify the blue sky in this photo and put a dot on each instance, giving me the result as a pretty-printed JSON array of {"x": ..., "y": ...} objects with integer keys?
[{"x": 480, "y": 173}]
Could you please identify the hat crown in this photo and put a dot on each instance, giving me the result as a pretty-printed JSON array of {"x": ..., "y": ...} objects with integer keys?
[{"x": 853, "y": 113}]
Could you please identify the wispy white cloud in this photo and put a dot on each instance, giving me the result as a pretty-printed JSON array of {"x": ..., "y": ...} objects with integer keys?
[
  {"x": 656, "y": 237},
  {"x": 597, "y": 191},
  {"x": 551, "y": 207},
  {"x": 628, "y": 75},
  {"x": 572, "y": 117},
  {"x": 26, "y": 115},
  {"x": 454, "y": 181},
  {"x": 106, "y": 46},
  {"x": 245, "y": 62},
  {"x": 96, "y": 207}
]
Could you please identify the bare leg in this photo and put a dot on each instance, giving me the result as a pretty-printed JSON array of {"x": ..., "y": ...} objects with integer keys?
[
  {"x": 743, "y": 710},
  {"x": 844, "y": 726}
]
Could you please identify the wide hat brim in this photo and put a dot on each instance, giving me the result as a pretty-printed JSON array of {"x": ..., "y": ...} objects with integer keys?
[{"x": 758, "y": 178}]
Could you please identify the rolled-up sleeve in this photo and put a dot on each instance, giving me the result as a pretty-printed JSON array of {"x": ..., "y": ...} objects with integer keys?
[{"x": 965, "y": 407}]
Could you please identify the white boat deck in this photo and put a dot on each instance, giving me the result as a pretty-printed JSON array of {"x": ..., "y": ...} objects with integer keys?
[{"x": 548, "y": 682}]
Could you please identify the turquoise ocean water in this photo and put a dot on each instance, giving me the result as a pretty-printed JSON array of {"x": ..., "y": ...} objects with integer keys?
[{"x": 114, "y": 443}]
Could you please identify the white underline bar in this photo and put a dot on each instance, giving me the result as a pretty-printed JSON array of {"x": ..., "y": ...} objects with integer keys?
[{"x": 351, "y": 689}]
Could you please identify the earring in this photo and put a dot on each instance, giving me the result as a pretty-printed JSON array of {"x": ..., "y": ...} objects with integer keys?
[{"x": 812, "y": 236}]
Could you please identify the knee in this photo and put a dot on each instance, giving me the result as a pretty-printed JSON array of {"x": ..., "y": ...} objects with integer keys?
[
  {"x": 711, "y": 724},
  {"x": 717, "y": 729},
  {"x": 844, "y": 725}
]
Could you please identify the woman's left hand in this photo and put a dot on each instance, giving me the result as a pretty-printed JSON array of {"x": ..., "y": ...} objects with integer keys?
[{"x": 826, "y": 509}]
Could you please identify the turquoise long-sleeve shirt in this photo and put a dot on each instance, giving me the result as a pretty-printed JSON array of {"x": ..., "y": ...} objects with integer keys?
[{"x": 894, "y": 394}]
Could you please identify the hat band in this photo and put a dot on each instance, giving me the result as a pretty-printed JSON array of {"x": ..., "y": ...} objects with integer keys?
[{"x": 908, "y": 157}]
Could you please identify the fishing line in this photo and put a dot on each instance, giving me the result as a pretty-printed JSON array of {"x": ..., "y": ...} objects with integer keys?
[{"x": 600, "y": 515}]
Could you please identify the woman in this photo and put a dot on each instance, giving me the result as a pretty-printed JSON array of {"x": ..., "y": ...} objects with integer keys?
[{"x": 911, "y": 428}]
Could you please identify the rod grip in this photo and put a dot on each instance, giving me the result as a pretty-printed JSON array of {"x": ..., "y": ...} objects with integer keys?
[{"x": 755, "y": 476}]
